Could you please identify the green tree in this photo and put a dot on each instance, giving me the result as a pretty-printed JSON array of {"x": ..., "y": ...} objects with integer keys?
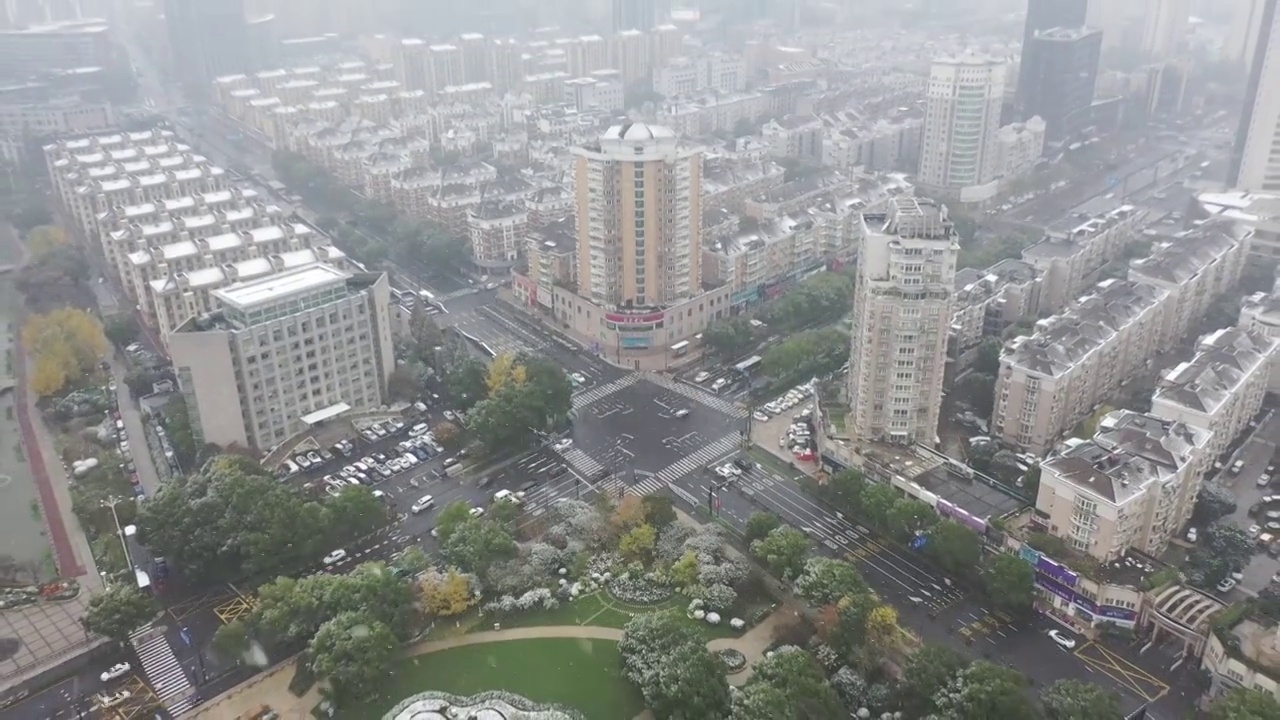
[
  {"x": 413, "y": 560},
  {"x": 404, "y": 384},
  {"x": 907, "y": 517},
  {"x": 730, "y": 337},
  {"x": 474, "y": 546},
  {"x": 759, "y": 701},
  {"x": 466, "y": 383},
  {"x": 355, "y": 513},
  {"x": 231, "y": 641},
  {"x": 668, "y": 660},
  {"x": 122, "y": 329},
  {"x": 797, "y": 675},
  {"x": 806, "y": 355},
  {"x": 1010, "y": 583},
  {"x": 955, "y": 548},
  {"x": 355, "y": 652},
  {"x": 759, "y": 525},
  {"x": 1078, "y": 700},
  {"x": 450, "y": 518},
  {"x": 1245, "y": 704},
  {"x": 783, "y": 550},
  {"x": 877, "y": 502},
  {"x": 291, "y": 610},
  {"x": 928, "y": 670},
  {"x": 659, "y": 510},
  {"x": 977, "y": 390},
  {"x": 826, "y": 580},
  {"x": 118, "y": 611},
  {"x": 231, "y": 520},
  {"x": 985, "y": 690},
  {"x": 844, "y": 490},
  {"x": 823, "y": 298},
  {"x": 987, "y": 360},
  {"x": 637, "y": 544},
  {"x": 684, "y": 572}
]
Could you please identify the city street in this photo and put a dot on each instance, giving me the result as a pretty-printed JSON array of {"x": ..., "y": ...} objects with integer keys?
[{"x": 935, "y": 609}]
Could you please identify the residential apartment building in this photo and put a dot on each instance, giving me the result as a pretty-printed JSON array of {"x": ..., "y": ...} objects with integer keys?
[
  {"x": 880, "y": 146},
  {"x": 1069, "y": 262},
  {"x": 1166, "y": 29},
  {"x": 1248, "y": 659},
  {"x": 1260, "y": 313},
  {"x": 989, "y": 301},
  {"x": 128, "y": 229},
  {"x": 962, "y": 116},
  {"x": 795, "y": 136},
  {"x": 285, "y": 351},
  {"x": 586, "y": 94},
  {"x": 902, "y": 307},
  {"x": 639, "y": 215},
  {"x": 1195, "y": 267},
  {"x": 187, "y": 294},
  {"x": 1221, "y": 389},
  {"x": 689, "y": 75},
  {"x": 1076, "y": 360},
  {"x": 185, "y": 254},
  {"x": 1133, "y": 485},
  {"x": 551, "y": 252},
  {"x": 728, "y": 182},
  {"x": 496, "y": 231},
  {"x": 1259, "y": 213},
  {"x": 66, "y": 45},
  {"x": 1019, "y": 147},
  {"x": 770, "y": 256}
]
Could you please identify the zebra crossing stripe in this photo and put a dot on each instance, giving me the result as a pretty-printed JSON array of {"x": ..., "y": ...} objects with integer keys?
[
  {"x": 590, "y": 395},
  {"x": 697, "y": 395},
  {"x": 688, "y": 464},
  {"x": 168, "y": 679},
  {"x": 582, "y": 462}
]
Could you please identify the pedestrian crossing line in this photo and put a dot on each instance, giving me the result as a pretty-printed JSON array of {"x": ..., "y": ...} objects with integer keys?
[
  {"x": 168, "y": 678},
  {"x": 582, "y": 462},
  {"x": 586, "y": 397},
  {"x": 688, "y": 464},
  {"x": 698, "y": 395}
]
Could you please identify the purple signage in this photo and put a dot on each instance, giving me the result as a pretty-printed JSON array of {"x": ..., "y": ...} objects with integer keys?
[
  {"x": 1075, "y": 598},
  {"x": 950, "y": 510},
  {"x": 1057, "y": 571}
]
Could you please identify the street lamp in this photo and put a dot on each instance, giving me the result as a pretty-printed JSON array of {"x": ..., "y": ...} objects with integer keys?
[{"x": 111, "y": 502}]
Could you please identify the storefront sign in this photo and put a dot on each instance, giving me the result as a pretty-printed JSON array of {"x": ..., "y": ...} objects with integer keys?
[
  {"x": 632, "y": 342},
  {"x": 1057, "y": 571},
  {"x": 962, "y": 516},
  {"x": 625, "y": 319}
]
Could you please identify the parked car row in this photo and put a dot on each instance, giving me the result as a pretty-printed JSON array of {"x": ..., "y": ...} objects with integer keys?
[{"x": 792, "y": 398}]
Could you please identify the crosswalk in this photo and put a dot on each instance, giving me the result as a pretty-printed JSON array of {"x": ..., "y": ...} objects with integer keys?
[
  {"x": 586, "y": 397},
  {"x": 166, "y": 675},
  {"x": 688, "y": 464},
  {"x": 582, "y": 462},
  {"x": 460, "y": 292},
  {"x": 697, "y": 395}
]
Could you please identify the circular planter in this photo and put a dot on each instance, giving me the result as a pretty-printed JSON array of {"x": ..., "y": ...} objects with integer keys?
[{"x": 734, "y": 661}]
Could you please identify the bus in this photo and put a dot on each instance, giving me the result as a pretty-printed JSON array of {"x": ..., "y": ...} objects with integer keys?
[
  {"x": 680, "y": 348},
  {"x": 749, "y": 364}
]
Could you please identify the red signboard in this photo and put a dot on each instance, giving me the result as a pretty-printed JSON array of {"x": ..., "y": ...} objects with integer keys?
[{"x": 622, "y": 319}]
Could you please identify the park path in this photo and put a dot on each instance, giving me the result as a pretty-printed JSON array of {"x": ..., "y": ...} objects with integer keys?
[{"x": 271, "y": 689}]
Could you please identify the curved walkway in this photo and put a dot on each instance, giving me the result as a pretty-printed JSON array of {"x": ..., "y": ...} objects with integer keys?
[{"x": 586, "y": 632}]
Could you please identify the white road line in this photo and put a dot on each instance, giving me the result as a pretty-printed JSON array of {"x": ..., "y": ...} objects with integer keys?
[
  {"x": 586, "y": 397},
  {"x": 699, "y": 459},
  {"x": 168, "y": 678},
  {"x": 697, "y": 395},
  {"x": 582, "y": 462}
]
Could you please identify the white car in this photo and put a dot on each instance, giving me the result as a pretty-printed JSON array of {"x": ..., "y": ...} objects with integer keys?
[
  {"x": 1254, "y": 530},
  {"x": 579, "y": 378},
  {"x": 426, "y": 502},
  {"x": 106, "y": 700},
  {"x": 701, "y": 377},
  {"x": 733, "y": 469},
  {"x": 723, "y": 471},
  {"x": 1227, "y": 585},
  {"x": 562, "y": 445},
  {"x": 719, "y": 384},
  {"x": 1192, "y": 535},
  {"x": 476, "y": 511},
  {"x": 1064, "y": 642},
  {"x": 115, "y": 671},
  {"x": 336, "y": 556},
  {"x": 508, "y": 496}
]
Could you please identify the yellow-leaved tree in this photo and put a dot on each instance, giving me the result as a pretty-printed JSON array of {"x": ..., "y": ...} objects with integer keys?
[
  {"x": 64, "y": 344},
  {"x": 505, "y": 370},
  {"x": 46, "y": 239},
  {"x": 446, "y": 594},
  {"x": 882, "y": 627}
]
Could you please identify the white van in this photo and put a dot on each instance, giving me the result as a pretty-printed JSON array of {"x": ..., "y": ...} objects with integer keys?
[
  {"x": 508, "y": 496},
  {"x": 419, "y": 429}
]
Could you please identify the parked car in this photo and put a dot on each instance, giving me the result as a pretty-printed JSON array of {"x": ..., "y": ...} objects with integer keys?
[
  {"x": 335, "y": 556},
  {"x": 115, "y": 671}
]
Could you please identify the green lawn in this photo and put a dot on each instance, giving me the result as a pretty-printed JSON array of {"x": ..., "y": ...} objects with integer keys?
[{"x": 582, "y": 674}]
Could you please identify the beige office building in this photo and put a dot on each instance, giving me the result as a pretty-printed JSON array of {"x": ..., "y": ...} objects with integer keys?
[
  {"x": 958, "y": 146},
  {"x": 902, "y": 308},
  {"x": 639, "y": 209},
  {"x": 284, "y": 353},
  {"x": 1133, "y": 485}
]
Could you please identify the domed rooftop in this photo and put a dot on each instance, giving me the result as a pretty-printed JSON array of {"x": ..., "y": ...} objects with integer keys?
[{"x": 637, "y": 132}]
